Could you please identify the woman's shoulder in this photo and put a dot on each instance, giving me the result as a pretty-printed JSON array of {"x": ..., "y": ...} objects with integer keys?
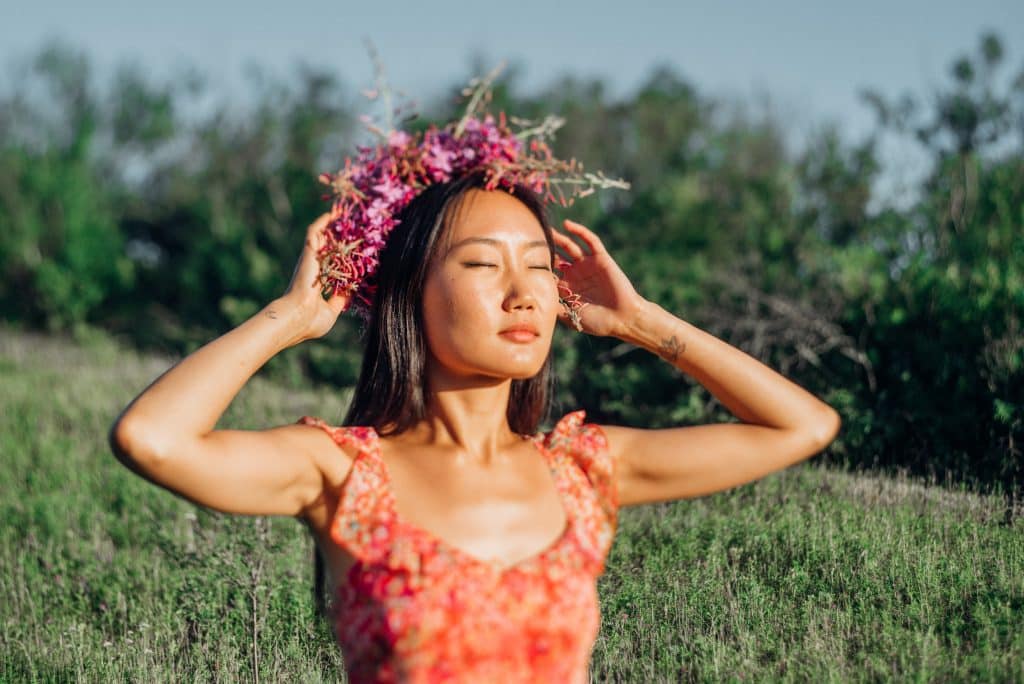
[
  {"x": 587, "y": 444},
  {"x": 574, "y": 431},
  {"x": 353, "y": 438}
]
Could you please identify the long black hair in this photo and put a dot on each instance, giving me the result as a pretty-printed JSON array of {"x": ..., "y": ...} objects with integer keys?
[{"x": 391, "y": 391}]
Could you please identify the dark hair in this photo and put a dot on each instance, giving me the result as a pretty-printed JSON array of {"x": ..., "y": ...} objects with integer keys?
[{"x": 391, "y": 391}]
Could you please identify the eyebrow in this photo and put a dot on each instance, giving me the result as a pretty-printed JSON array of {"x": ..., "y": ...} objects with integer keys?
[{"x": 496, "y": 243}]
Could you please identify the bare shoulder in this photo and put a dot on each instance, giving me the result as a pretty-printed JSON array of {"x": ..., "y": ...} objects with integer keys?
[
  {"x": 329, "y": 458},
  {"x": 325, "y": 446},
  {"x": 617, "y": 437},
  {"x": 620, "y": 441}
]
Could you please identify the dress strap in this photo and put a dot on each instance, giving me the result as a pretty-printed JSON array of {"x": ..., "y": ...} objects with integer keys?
[
  {"x": 587, "y": 447},
  {"x": 360, "y": 437},
  {"x": 361, "y": 522}
]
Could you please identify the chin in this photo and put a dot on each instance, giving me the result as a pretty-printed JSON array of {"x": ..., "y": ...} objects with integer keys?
[
  {"x": 514, "y": 371},
  {"x": 525, "y": 375},
  {"x": 498, "y": 363},
  {"x": 523, "y": 368}
]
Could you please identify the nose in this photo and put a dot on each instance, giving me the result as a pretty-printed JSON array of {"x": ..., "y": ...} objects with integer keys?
[{"x": 519, "y": 295}]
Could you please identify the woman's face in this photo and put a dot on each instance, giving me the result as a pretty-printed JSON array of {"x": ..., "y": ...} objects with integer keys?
[{"x": 490, "y": 300}]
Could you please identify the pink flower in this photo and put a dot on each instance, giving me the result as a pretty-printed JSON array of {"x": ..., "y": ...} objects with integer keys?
[
  {"x": 391, "y": 190},
  {"x": 399, "y": 139},
  {"x": 374, "y": 187},
  {"x": 377, "y": 212},
  {"x": 438, "y": 159}
]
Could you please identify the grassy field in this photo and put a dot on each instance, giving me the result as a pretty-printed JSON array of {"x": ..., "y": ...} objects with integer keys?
[{"x": 808, "y": 575}]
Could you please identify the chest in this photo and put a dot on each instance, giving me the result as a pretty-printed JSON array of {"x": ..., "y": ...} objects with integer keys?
[{"x": 505, "y": 513}]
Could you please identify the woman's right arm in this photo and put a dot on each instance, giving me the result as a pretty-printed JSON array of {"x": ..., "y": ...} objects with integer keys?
[{"x": 166, "y": 434}]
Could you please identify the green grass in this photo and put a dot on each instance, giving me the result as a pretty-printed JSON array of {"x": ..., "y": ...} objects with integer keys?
[{"x": 809, "y": 574}]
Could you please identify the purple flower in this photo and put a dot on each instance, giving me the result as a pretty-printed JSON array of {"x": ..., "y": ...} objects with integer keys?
[
  {"x": 391, "y": 190},
  {"x": 378, "y": 212},
  {"x": 439, "y": 159}
]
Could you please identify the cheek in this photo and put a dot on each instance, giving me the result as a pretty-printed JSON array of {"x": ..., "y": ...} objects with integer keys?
[
  {"x": 452, "y": 302},
  {"x": 455, "y": 315},
  {"x": 460, "y": 315}
]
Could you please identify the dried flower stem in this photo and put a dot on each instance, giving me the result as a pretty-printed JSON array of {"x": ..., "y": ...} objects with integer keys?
[{"x": 478, "y": 94}]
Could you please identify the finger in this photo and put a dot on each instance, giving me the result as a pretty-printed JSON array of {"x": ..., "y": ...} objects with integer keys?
[
  {"x": 320, "y": 222},
  {"x": 315, "y": 232},
  {"x": 306, "y": 268},
  {"x": 588, "y": 236},
  {"x": 570, "y": 246},
  {"x": 340, "y": 302}
]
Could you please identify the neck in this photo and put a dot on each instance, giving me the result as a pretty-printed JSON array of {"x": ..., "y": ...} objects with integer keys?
[{"x": 468, "y": 415}]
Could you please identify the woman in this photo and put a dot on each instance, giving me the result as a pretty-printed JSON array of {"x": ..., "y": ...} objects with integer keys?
[{"x": 458, "y": 542}]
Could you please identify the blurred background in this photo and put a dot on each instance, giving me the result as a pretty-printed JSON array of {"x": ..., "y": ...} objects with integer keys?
[{"x": 837, "y": 189}]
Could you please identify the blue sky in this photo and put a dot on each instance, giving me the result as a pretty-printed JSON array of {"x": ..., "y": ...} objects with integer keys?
[{"x": 811, "y": 58}]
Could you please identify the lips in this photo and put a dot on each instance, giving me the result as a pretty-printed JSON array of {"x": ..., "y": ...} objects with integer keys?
[
  {"x": 521, "y": 327},
  {"x": 522, "y": 332}
]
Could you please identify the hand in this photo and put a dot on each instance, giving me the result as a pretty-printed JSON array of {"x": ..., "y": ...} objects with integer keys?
[
  {"x": 609, "y": 300},
  {"x": 304, "y": 290}
]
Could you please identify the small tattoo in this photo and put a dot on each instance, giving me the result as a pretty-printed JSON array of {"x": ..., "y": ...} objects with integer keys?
[
  {"x": 671, "y": 349},
  {"x": 271, "y": 314}
]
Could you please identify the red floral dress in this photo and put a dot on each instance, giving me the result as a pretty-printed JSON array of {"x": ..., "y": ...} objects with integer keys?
[{"x": 413, "y": 608}]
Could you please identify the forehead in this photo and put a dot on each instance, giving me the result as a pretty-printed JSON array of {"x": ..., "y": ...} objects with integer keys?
[{"x": 492, "y": 212}]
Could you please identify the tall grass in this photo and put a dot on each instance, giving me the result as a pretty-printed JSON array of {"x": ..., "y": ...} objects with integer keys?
[{"x": 809, "y": 574}]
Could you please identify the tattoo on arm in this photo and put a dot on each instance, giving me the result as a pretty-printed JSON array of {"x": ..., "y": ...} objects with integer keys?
[
  {"x": 671, "y": 349},
  {"x": 270, "y": 313}
]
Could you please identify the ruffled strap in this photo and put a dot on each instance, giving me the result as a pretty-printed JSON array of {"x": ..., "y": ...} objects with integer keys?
[
  {"x": 361, "y": 522},
  {"x": 365, "y": 521},
  {"x": 357, "y": 436},
  {"x": 588, "y": 446}
]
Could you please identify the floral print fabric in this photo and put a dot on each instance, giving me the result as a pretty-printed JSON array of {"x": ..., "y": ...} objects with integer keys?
[{"x": 416, "y": 609}]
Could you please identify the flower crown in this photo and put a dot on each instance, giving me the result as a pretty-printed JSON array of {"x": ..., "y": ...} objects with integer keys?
[{"x": 370, "y": 191}]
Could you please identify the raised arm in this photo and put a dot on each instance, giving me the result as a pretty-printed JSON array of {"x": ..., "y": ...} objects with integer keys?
[
  {"x": 166, "y": 434},
  {"x": 783, "y": 424}
]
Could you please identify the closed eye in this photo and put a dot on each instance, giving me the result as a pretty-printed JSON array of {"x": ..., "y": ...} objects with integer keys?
[{"x": 473, "y": 264}]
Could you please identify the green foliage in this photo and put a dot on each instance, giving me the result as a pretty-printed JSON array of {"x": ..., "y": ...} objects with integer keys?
[
  {"x": 61, "y": 250},
  {"x": 167, "y": 229}
]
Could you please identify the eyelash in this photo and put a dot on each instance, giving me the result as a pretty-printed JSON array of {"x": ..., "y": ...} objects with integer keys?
[{"x": 480, "y": 263}]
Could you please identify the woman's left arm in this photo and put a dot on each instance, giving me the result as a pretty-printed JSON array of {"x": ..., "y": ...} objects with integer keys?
[{"x": 783, "y": 423}]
